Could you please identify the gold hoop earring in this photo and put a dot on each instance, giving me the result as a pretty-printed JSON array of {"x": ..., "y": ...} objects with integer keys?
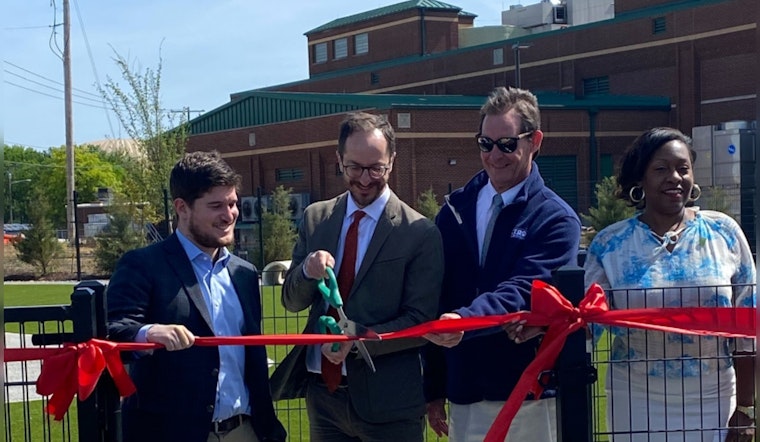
[
  {"x": 637, "y": 189},
  {"x": 698, "y": 190}
]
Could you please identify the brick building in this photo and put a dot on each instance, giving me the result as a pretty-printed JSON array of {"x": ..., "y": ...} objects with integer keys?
[{"x": 602, "y": 76}]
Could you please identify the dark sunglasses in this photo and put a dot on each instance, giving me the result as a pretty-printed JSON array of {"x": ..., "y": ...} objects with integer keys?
[{"x": 505, "y": 144}]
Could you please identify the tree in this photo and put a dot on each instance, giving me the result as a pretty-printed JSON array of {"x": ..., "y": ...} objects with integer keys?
[
  {"x": 94, "y": 169},
  {"x": 40, "y": 246},
  {"x": 24, "y": 166},
  {"x": 160, "y": 141},
  {"x": 427, "y": 204},
  {"x": 610, "y": 209},
  {"x": 121, "y": 236},
  {"x": 716, "y": 198},
  {"x": 279, "y": 232}
]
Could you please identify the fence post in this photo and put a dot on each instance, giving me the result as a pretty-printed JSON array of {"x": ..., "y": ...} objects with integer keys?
[
  {"x": 99, "y": 414},
  {"x": 575, "y": 373}
]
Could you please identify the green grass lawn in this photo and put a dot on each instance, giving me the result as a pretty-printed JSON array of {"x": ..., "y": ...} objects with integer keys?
[
  {"x": 36, "y": 294},
  {"x": 17, "y": 295},
  {"x": 29, "y": 422}
]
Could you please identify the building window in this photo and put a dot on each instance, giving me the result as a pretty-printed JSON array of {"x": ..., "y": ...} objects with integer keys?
[
  {"x": 374, "y": 78},
  {"x": 659, "y": 25},
  {"x": 320, "y": 52},
  {"x": 596, "y": 86},
  {"x": 404, "y": 120},
  {"x": 498, "y": 56},
  {"x": 341, "y": 48},
  {"x": 361, "y": 44},
  {"x": 288, "y": 175}
]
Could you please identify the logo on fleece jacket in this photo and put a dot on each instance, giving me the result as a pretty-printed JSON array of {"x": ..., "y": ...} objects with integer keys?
[{"x": 519, "y": 233}]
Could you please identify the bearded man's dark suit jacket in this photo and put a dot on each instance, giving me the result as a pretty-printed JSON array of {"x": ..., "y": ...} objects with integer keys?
[
  {"x": 176, "y": 391},
  {"x": 397, "y": 286}
]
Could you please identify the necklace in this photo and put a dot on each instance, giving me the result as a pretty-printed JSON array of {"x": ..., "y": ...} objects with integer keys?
[{"x": 670, "y": 237}]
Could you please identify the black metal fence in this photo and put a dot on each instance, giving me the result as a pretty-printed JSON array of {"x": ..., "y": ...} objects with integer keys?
[
  {"x": 581, "y": 401},
  {"x": 95, "y": 419}
]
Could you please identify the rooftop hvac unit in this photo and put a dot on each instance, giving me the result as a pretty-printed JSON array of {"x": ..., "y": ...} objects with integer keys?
[
  {"x": 559, "y": 14},
  {"x": 249, "y": 208}
]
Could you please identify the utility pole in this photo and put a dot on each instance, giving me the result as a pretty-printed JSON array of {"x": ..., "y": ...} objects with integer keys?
[
  {"x": 70, "y": 185},
  {"x": 186, "y": 110}
]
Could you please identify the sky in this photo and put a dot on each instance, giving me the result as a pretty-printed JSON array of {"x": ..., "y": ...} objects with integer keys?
[{"x": 209, "y": 49}]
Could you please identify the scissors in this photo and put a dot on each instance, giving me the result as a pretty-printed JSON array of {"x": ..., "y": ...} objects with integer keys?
[{"x": 330, "y": 292}]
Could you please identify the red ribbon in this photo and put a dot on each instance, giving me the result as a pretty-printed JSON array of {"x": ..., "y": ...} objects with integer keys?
[
  {"x": 549, "y": 308},
  {"x": 76, "y": 368}
]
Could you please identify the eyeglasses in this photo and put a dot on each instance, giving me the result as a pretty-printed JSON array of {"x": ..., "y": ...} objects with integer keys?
[
  {"x": 355, "y": 172},
  {"x": 505, "y": 144}
]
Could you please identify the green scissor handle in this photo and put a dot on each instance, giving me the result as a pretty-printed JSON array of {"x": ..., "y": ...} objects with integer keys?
[
  {"x": 329, "y": 288},
  {"x": 328, "y": 322}
]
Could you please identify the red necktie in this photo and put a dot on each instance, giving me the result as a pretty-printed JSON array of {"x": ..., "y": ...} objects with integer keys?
[{"x": 331, "y": 373}]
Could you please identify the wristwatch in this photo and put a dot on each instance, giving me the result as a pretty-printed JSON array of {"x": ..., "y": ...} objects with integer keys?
[{"x": 747, "y": 411}]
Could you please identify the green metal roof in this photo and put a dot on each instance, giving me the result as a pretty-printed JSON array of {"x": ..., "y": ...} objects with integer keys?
[
  {"x": 388, "y": 10},
  {"x": 265, "y": 107}
]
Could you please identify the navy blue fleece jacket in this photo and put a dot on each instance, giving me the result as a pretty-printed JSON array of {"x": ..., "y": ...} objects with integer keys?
[{"x": 534, "y": 235}]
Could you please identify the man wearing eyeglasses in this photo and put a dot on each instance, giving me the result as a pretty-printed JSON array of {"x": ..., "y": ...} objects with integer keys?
[
  {"x": 393, "y": 283},
  {"x": 501, "y": 231}
]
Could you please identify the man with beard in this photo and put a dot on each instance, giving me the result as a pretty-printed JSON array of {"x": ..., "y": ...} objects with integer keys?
[
  {"x": 389, "y": 265},
  {"x": 186, "y": 286}
]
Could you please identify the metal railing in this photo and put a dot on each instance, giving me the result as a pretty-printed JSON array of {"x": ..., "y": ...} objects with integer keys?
[{"x": 580, "y": 402}]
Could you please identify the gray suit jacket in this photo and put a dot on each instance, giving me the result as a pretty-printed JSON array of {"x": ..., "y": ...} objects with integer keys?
[{"x": 397, "y": 286}]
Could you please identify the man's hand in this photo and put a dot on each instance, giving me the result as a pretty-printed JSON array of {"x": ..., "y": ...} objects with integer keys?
[
  {"x": 739, "y": 419},
  {"x": 337, "y": 357},
  {"x": 172, "y": 336},
  {"x": 517, "y": 331},
  {"x": 436, "y": 414},
  {"x": 316, "y": 263},
  {"x": 446, "y": 339}
]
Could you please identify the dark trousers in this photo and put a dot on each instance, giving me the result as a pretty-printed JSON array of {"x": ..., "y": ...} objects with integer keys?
[{"x": 332, "y": 419}]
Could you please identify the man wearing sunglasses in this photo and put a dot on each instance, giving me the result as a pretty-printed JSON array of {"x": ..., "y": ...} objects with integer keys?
[{"x": 501, "y": 231}]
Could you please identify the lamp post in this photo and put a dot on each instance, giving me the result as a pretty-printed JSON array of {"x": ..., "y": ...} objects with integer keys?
[
  {"x": 11, "y": 182},
  {"x": 516, "y": 49}
]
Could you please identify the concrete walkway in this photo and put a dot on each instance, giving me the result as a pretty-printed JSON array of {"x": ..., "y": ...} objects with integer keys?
[{"x": 27, "y": 371}]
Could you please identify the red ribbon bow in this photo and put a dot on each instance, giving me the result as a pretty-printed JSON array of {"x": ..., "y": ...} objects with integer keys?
[
  {"x": 550, "y": 308},
  {"x": 76, "y": 368}
]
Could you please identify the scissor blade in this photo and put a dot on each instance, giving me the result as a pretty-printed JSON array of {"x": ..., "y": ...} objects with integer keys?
[
  {"x": 365, "y": 354},
  {"x": 355, "y": 329}
]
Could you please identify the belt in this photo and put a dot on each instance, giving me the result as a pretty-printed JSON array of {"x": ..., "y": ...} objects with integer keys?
[{"x": 229, "y": 424}]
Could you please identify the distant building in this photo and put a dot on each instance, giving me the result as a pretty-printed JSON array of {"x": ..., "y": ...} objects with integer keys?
[{"x": 604, "y": 72}]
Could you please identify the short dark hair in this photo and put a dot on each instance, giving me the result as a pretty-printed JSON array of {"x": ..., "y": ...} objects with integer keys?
[
  {"x": 198, "y": 172},
  {"x": 637, "y": 156},
  {"x": 365, "y": 122}
]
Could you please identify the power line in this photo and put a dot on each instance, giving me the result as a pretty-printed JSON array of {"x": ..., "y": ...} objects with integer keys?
[
  {"x": 92, "y": 65},
  {"x": 16, "y": 143},
  {"x": 22, "y": 163},
  {"x": 52, "y": 40},
  {"x": 47, "y": 79},
  {"x": 48, "y": 95},
  {"x": 51, "y": 87},
  {"x": 16, "y": 28}
]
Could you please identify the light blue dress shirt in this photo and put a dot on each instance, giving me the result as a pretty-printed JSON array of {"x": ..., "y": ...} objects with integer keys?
[{"x": 232, "y": 396}]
